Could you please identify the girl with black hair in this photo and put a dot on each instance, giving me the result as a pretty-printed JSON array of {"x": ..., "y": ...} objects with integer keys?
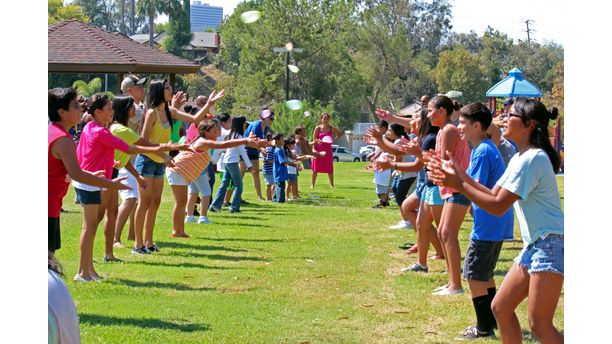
[
  {"x": 96, "y": 152},
  {"x": 157, "y": 128},
  {"x": 529, "y": 184},
  {"x": 292, "y": 171},
  {"x": 231, "y": 161}
]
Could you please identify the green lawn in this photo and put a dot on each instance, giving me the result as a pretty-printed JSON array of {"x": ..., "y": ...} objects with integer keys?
[{"x": 324, "y": 269}]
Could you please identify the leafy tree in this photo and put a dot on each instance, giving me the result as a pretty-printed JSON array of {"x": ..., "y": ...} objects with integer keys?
[
  {"x": 179, "y": 30},
  {"x": 161, "y": 27},
  {"x": 495, "y": 55},
  {"x": 87, "y": 89},
  {"x": 459, "y": 70},
  {"x": 57, "y": 12}
]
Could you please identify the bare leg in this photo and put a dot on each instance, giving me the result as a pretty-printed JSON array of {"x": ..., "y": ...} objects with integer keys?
[
  {"x": 268, "y": 192},
  {"x": 256, "y": 180},
  {"x": 228, "y": 196},
  {"x": 314, "y": 179},
  {"x": 452, "y": 217},
  {"x": 180, "y": 200},
  {"x": 109, "y": 199},
  {"x": 145, "y": 201},
  {"x": 512, "y": 291},
  {"x": 125, "y": 210},
  {"x": 544, "y": 292},
  {"x": 149, "y": 224},
  {"x": 331, "y": 179},
  {"x": 132, "y": 220},
  {"x": 86, "y": 242},
  {"x": 191, "y": 202},
  {"x": 409, "y": 209}
]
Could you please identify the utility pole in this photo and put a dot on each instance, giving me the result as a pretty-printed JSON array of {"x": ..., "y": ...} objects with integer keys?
[
  {"x": 288, "y": 48},
  {"x": 529, "y": 31}
]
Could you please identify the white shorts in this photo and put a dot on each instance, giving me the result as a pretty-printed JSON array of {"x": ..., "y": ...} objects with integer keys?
[
  {"x": 131, "y": 182},
  {"x": 201, "y": 186},
  {"x": 175, "y": 178}
]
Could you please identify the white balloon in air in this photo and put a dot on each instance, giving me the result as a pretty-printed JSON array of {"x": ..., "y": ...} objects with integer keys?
[
  {"x": 250, "y": 16},
  {"x": 293, "y": 68}
]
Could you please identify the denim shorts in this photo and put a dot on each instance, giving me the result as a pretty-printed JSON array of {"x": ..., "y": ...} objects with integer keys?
[
  {"x": 269, "y": 178},
  {"x": 149, "y": 168},
  {"x": 382, "y": 189},
  {"x": 458, "y": 198},
  {"x": 201, "y": 185},
  {"x": 544, "y": 255},
  {"x": 480, "y": 259},
  {"x": 419, "y": 189},
  {"x": 85, "y": 197},
  {"x": 432, "y": 195},
  {"x": 291, "y": 177}
]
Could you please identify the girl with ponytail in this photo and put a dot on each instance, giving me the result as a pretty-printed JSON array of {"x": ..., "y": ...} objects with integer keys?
[{"x": 529, "y": 184}]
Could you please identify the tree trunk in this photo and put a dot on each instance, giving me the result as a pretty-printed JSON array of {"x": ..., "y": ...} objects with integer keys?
[
  {"x": 122, "y": 29},
  {"x": 151, "y": 23},
  {"x": 133, "y": 17}
]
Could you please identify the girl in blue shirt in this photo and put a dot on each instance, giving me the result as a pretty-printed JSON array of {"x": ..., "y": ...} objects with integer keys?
[{"x": 529, "y": 184}]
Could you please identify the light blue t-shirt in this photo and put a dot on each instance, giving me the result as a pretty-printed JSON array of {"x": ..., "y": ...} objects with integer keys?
[
  {"x": 538, "y": 210},
  {"x": 255, "y": 127},
  {"x": 486, "y": 167}
]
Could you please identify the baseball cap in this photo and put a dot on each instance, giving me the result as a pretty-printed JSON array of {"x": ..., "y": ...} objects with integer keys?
[
  {"x": 131, "y": 81},
  {"x": 508, "y": 101},
  {"x": 265, "y": 113}
]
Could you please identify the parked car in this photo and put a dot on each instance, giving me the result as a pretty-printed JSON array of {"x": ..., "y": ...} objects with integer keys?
[
  {"x": 365, "y": 151},
  {"x": 342, "y": 154}
]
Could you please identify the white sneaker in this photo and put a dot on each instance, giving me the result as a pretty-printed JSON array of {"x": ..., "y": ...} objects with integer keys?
[
  {"x": 447, "y": 292},
  {"x": 401, "y": 225},
  {"x": 190, "y": 219},
  {"x": 203, "y": 220}
]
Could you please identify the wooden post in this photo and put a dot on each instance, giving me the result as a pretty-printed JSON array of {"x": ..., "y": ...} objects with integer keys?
[
  {"x": 119, "y": 80},
  {"x": 173, "y": 81}
]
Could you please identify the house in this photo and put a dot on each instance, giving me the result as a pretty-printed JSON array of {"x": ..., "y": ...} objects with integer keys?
[{"x": 202, "y": 44}]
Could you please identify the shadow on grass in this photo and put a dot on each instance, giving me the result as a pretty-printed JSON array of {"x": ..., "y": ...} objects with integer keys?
[
  {"x": 217, "y": 257},
  {"x": 152, "y": 284},
  {"x": 185, "y": 265},
  {"x": 201, "y": 247},
  {"x": 246, "y": 239},
  {"x": 92, "y": 319},
  {"x": 241, "y": 216},
  {"x": 499, "y": 272},
  {"x": 242, "y": 224}
]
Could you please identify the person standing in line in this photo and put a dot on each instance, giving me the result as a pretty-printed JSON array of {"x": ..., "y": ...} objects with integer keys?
[{"x": 260, "y": 128}]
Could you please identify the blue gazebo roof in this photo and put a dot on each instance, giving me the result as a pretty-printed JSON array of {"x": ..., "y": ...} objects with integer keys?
[{"x": 514, "y": 85}]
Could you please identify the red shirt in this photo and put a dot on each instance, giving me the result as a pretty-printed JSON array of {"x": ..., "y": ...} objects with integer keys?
[{"x": 58, "y": 185}]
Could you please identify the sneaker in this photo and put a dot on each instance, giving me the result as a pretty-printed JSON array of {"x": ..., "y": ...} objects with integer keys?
[
  {"x": 190, "y": 219},
  {"x": 214, "y": 210},
  {"x": 226, "y": 204},
  {"x": 140, "y": 251},
  {"x": 416, "y": 267},
  {"x": 235, "y": 211},
  {"x": 447, "y": 292},
  {"x": 244, "y": 202},
  {"x": 153, "y": 248},
  {"x": 406, "y": 245},
  {"x": 401, "y": 225},
  {"x": 79, "y": 278},
  {"x": 111, "y": 260},
  {"x": 472, "y": 332},
  {"x": 118, "y": 244},
  {"x": 203, "y": 220},
  {"x": 442, "y": 287}
]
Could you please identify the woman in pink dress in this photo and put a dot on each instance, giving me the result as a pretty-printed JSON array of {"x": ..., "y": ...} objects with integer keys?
[{"x": 324, "y": 136}]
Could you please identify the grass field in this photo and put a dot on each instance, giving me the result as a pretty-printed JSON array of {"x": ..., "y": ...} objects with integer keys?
[{"x": 325, "y": 269}]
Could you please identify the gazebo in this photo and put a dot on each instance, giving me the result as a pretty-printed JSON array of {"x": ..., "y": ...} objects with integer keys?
[
  {"x": 514, "y": 85},
  {"x": 76, "y": 47}
]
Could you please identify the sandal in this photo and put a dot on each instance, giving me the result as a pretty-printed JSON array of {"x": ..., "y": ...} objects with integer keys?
[
  {"x": 413, "y": 249},
  {"x": 184, "y": 235}
]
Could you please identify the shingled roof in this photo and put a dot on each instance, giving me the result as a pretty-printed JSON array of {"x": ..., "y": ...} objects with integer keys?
[{"x": 77, "y": 47}]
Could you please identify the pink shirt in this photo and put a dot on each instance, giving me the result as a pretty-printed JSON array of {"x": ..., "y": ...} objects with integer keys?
[
  {"x": 96, "y": 150},
  {"x": 461, "y": 154}
]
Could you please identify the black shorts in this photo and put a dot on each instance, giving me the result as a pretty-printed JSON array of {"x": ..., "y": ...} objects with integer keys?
[
  {"x": 115, "y": 173},
  {"x": 253, "y": 156},
  {"x": 480, "y": 259},
  {"x": 55, "y": 241},
  {"x": 88, "y": 197}
]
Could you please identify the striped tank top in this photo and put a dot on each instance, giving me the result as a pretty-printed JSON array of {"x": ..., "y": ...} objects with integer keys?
[{"x": 190, "y": 165}]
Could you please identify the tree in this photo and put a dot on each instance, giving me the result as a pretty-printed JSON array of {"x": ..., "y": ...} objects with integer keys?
[
  {"x": 57, "y": 12},
  {"x": 459, "y": 70},
  {"x": 179, "y": 30}
]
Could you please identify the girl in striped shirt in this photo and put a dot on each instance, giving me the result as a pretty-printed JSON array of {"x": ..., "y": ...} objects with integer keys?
[{"x": 188, "y": 165}]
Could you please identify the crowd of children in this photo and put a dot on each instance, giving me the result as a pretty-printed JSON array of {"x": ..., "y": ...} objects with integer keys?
[{"x": 456, "y": 154}]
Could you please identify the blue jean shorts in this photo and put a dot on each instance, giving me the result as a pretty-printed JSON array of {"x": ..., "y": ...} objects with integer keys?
[
  {"x": 85, "y": 197},
  {"x": 544, "y": 255},
  {"x": 269, "y": 178},
  {"x": 149, "y": 168},
  {"x": 291, "y": 177},
  {"x": 458, "y": 198},
  {"x": 419, "y": 189},
  {"x": 432, "y": 195}
]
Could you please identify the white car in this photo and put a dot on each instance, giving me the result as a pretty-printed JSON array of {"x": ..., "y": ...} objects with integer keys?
[
  {"x": 342, "y": 154},
  {"x": 365, "y": 151}
]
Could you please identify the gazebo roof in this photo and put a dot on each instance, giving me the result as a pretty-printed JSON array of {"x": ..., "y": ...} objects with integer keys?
[
  {"x": 77, "y": 47},
  {"x": 514, "y": 85}
]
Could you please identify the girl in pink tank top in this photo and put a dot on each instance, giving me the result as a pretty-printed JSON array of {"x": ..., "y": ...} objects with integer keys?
[{"x": 455, "y": 204}]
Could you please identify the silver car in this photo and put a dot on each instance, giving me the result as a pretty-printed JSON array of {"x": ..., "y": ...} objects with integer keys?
[{"x": 342, "y": 154}]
